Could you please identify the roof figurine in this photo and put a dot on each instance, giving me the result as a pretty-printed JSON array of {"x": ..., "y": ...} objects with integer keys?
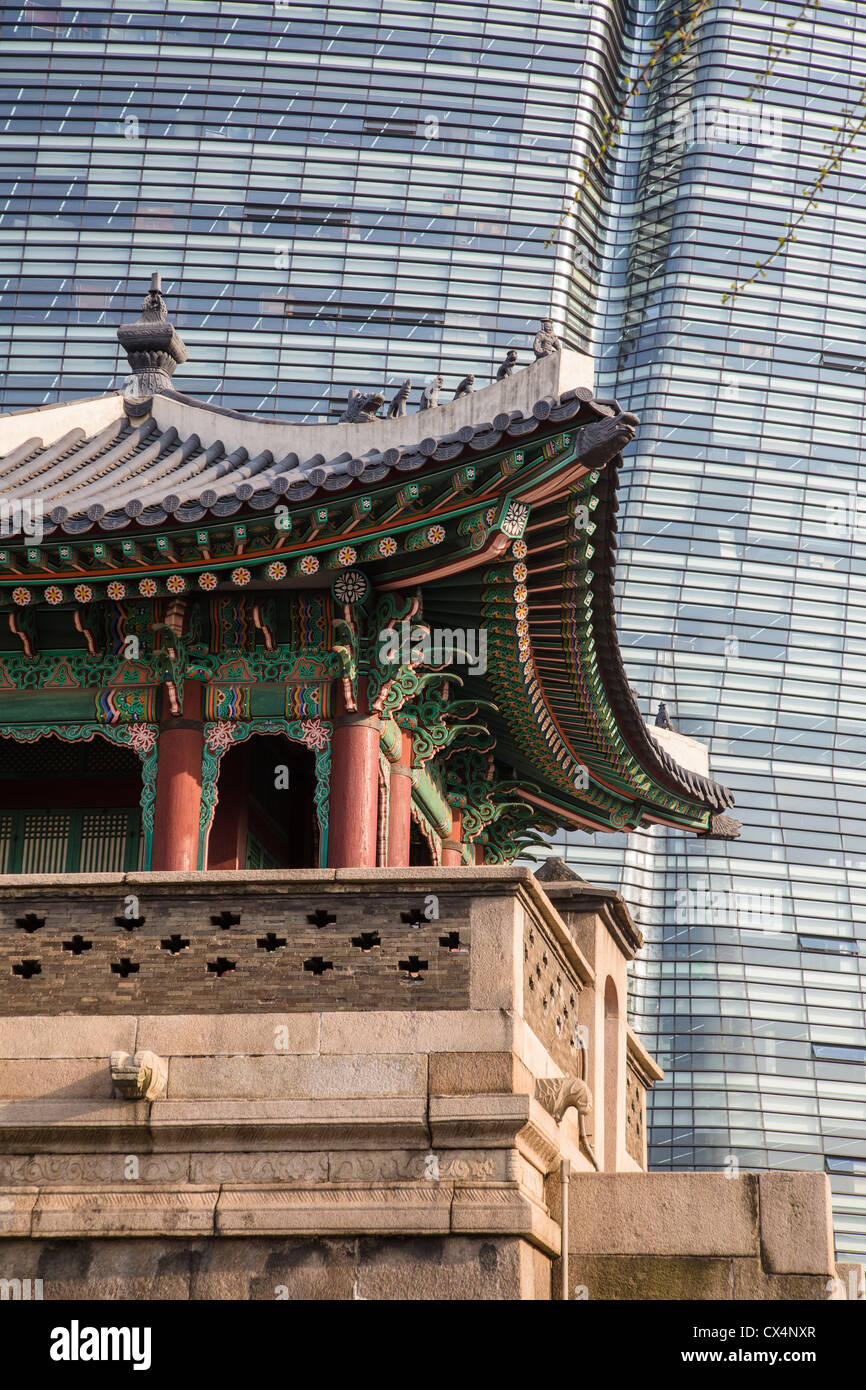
[
  {"x": 465, "y": 387},
  {"x": 508, "y": 365},
  {"x": 430, "y": 394},
  {"x": 362, "y": 407},
  {"x": 545, "y": 341},
  {"x": 152, "y": 345},
  {"x": 663, "y": 718},
  {"x": 397, "y": 408}
]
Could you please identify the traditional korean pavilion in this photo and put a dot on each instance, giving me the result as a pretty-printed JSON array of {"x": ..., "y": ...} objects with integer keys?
[{"x": 238, "y": 642}]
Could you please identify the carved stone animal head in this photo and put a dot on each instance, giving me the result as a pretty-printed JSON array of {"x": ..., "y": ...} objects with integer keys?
[
  {"x": 602, "y": 440},
  {"x": 361, "y": 407}
]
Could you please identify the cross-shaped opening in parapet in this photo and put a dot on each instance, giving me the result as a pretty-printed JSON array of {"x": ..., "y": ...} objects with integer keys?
[
  {"x": 225, "y": 919},
  {"x": 221, "y": 966},
  {"x": 320, "y": 918},
  {"x": 77, "y": 945},
  {"x": 413, "y": 966},
  {"x": 124, "y": 967},
  {"x": 367, "y": 940},
  {"x": 174, "y": 943},
  {"x": 415, "y": 918},
  {"x": 30, "y": 922},
  {"x": 451, "y": 941},
  {"x": 271, "y": 942},
  {"x": 129, "y": 923},
  {"x": 27, "y": 968},
  {"x": 317, "y": 965}
]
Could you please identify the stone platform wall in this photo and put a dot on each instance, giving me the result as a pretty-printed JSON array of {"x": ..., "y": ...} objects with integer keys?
[{"x": 391, "y": 1127}]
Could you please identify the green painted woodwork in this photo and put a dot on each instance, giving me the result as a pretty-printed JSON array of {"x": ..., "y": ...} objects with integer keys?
[{"x": 70, "y": 841}]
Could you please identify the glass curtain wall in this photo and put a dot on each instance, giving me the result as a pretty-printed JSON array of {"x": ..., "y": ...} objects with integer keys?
[
  {"x": 742, "y": 601},
  {"x": 322, "y": 186}
]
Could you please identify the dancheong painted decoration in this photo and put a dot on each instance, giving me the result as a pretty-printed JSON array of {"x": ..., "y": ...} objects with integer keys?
[{"x": 229, "y": 641}]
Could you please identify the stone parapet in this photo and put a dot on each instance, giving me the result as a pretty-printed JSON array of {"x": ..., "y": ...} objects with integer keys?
[{"x": 393, "y": 1126}]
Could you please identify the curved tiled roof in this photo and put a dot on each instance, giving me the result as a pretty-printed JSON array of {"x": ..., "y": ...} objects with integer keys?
[
  {"x": 106, "y": 465},
  {"x": 184, "y": 461}
]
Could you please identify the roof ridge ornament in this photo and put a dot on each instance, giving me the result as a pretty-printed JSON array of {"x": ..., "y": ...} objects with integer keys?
[{"x": 154, "y": 350}]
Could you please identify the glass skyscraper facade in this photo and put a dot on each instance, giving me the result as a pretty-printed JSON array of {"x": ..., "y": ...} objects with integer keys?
[
  {"x": 742, "y": 601},
  {"x": 349, "y": 195},
  {"x": 327, "y": 189}
]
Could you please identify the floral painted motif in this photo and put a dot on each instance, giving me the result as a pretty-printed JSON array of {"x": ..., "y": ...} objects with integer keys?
[
  {"x": 521, "y": 612},
  {"x": 116, "y": 590},
  {"x": 514, "y": 522},
  {"x": 220, "y": 736},
  {"x": 241, "y": 576},
  {"x": 520, "y": 572},
  {"x": 142, "y": 738},
  {"x": 520, "y": 550},
  {"x": 520, "y": 593},
  {"x": 175, "y": 583},
  {"x": 387, "y": 546},
  {"x": 435, "y": 534},
  {"x": 207, "y": 581},
  {"x": 346, "y": 555},
  {"x": 309, "y": 564},
  {"x": 53, "y": 594},
  {"x": 314, "y": 734},
  {"x": 83, "y": 593},
  {"x": 277, "y": 570},
  {"x": 21, "y": 596},
  {"x": 351, "y": 587},
  {"x": 147, "y": 588}
]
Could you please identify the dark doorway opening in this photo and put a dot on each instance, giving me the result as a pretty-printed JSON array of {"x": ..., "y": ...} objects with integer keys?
[
  {"x": 419, "y": 849},
  {"x": 265, "y": 816}
]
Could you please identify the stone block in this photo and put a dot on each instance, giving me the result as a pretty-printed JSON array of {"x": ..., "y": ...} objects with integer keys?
[
  {"x": 297, "y": 1124},
  {"x": 796, "y": 1223},
  {"x": 131, "y": 1210},
  {"x": 686, "y": 1278},
  {"x": 424, "y": 1030},
  {"x": 850, "y": 1281},
  {"x": 464, "y": 1268},
  {"x": 210, "y": 1168},
  {"x": 751, "y": 1282},
  {"x": 672, "y": 1214},
  {"x": 68, "y": 1078},
  {"x": 116, "y": 1270},
  {"x": 64, "y": 1123},
  {"x": 279, "y": 1269},
  {"x": 214, "y": 1035},
  {"x": 495, "y": 972},
  {"x": 69, "y": 1169},
  {"x": 468, "y": 1073},
  {"x": 503, "y": 1211},
  {"x": 460, "y": 1121},
  {"x": 16, "y": 1212},
  {"x": 319, "y": 1078},
  {"x": 34, "y": 1035},
  {"x": 406, "y": 1210}
]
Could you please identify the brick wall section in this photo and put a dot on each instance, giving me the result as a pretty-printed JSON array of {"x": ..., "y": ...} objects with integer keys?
[{"x": 359, "y": 977}]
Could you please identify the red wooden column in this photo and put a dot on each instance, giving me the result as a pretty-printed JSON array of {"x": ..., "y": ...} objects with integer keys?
[
  {"x": 452, "y": 848},
  {"x": 354, "y": 801},
  {"x": 400, "y": 805},
  {"x": 178, "y": 784}
]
